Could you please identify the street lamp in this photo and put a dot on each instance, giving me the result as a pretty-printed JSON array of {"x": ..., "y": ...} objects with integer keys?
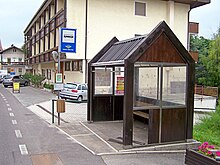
[{"x": 56, "y": 57}]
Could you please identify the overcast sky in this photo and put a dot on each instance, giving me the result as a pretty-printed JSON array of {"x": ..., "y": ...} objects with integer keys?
[{"x": 16, "y": 14}]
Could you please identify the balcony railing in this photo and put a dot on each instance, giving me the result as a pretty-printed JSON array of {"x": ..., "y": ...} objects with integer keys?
[{"x": 13, "y": 63}]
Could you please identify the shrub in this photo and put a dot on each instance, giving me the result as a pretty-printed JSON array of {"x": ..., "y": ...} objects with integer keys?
[
  {"x": 36, "y": 80},
  {"x": 48, "y": 86},
  {"x": 28, "y": 76},
  {"x": 208, "y": 129}
]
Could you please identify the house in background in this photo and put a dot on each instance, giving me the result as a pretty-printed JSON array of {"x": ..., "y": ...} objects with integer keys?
[
  {"x": 12, "y": 60},
  {"x": 1, "y": 49},
  {"x": 96, "y": 22}
]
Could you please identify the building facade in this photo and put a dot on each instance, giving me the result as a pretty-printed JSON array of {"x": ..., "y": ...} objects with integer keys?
[
  {"x": 96, "y": 22},
  {"x": 12, "y": 60}
]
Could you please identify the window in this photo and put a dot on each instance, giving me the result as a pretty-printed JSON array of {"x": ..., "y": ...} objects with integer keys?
[
  {"x": 8, "y": 60},
  {"x": 48, "y": 74},
  {"x": 103, "y": 80},
  {"x": 80, "y": 66},
  {"x": 75, "y": 66},
  {"x": 67, "y": 66},
  {"x": 9, "y": 70},
  {"x": 84, "y": 87},
  {"x": 80, "y": 87},
  {"x": 43, "y": 73},
  {"x": 160, "y": 85},
  {"x": 140, "y": 8},
  {"x": 20, "y": 70}
]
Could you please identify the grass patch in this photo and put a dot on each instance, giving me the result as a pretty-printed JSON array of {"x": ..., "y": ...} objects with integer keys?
[{"x": 209, "y": 129}]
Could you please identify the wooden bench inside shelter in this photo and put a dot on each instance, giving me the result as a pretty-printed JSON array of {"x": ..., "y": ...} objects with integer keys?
[{"x": 141, "y": 114}]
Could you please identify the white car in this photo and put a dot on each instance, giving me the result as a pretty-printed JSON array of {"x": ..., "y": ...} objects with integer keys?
[{"x": 74, "y": 91}]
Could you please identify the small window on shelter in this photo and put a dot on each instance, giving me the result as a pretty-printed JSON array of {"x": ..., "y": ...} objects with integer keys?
[
  {"x": 103, "y": 81},
  {"x": 140, "y": 8}
]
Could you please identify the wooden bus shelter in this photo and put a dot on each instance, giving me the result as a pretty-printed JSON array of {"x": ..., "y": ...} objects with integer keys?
[{"x": 151, "y": 76}]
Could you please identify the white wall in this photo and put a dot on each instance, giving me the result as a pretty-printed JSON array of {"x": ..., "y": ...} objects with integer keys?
[
  {"x": 13, "y": 55},
  {"x": 109, "y": 18}
]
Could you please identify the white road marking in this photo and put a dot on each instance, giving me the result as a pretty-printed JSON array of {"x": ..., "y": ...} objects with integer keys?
[
  {"x": 4, "y": 99},
  {"x": 14, "y": 122},
  {"x": 9, "y": 109},
  {"x": 23, "y": 149},
  {"x": 11, "y": 114},
  {"x": 8, "y": 105},
  {"x": 18, "y": 134}
]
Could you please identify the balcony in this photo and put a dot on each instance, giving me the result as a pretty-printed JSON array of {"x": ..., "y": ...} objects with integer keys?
[
  {"x": 193, "y": 28},
  {"x": 12, "y": 63},
  {"x": 195, "y": 55}
]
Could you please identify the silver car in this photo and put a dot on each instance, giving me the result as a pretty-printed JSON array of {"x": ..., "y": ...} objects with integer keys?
[
  {"x": 9, "y": 79},
  {"x": 74, "y": 91}
]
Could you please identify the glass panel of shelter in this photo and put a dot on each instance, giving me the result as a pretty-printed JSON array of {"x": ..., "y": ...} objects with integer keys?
[
  {"x": 103, "y": 80},
  {"x": 109, "y": 80},
  {"x": 149, "y": 79}
]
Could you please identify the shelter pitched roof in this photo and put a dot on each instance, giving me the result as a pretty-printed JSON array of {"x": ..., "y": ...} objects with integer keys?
[{"x": 132, "y": 49}]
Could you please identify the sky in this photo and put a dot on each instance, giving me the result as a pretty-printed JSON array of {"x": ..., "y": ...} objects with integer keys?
[
  {"x": 14, "y": 18},
  {"x": 16, "y": 14},
  {"x": 208, "y": 17}
]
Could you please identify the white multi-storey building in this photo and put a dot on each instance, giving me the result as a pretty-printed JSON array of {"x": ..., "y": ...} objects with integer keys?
[
  {"x": 12, "y": 60},
  {"x": 96, "y": 22}
]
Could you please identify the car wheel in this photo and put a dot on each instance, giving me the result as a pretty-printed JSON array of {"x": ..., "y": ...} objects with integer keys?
[
  {"x": 26, "y": 83},
  {"x": 5, "y": 86},
  {"x": 63, "y": 98},
  {"x": 80, "y": 98}
]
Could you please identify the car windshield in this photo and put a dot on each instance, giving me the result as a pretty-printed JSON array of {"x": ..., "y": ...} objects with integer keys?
[
  {"x": 8, "y": 77},
  {"x": 71, "y": 86}
]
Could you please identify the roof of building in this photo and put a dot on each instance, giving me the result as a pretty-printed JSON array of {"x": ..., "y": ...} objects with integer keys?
[
  {"x": 116, "y": 52},
  {"x": 11, "y": 47}
]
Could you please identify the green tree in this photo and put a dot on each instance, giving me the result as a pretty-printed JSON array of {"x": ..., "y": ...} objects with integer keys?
[
  {"x": 211, "y": 63},
  {"x": 201, "y": 45}
]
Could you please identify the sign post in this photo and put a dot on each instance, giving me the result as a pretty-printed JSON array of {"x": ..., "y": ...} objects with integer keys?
[{"x": 67, "y": 44}]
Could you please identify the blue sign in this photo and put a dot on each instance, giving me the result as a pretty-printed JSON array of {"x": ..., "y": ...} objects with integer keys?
[{"x": 67, "y": 40}]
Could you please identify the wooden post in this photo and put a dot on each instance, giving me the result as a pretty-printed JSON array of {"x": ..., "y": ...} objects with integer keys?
[{"x": 128, "y": 104}]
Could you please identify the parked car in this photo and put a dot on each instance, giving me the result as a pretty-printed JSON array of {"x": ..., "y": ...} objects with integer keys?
[
  {"x": 2, "y": 78},
  {"x": 74, "y": 91},
  {"x": 9, "y": 79}
]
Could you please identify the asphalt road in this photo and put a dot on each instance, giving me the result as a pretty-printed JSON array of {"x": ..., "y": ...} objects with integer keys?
[{"x": 25, "y": 138}]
